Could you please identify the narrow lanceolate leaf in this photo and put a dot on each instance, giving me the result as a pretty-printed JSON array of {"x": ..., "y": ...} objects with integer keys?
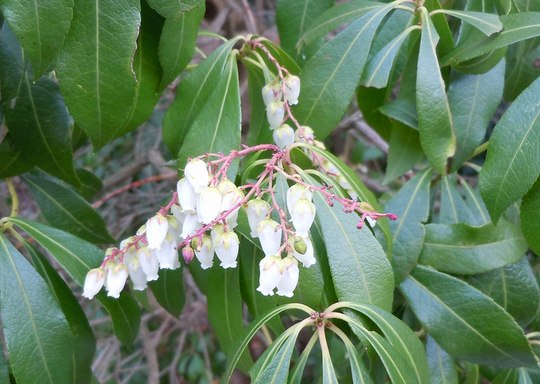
[
  {"x": 95, "y": 66},
  {"x": 473, "y": 101},
  {"x": 12, "y": 63},
  {"x": 77, "y": 257},
  {"x": 330, "y": 77},
  {"x": 442, "y": 369},
  {"x": 513, "y": 287},
  {"x": 40, "y": 26},
  {"x": 465, "y": 322},
  {"x": 530, "y": 212},
  {"x": 218, "y": 131},
  {"x": 453, "y": 208},
  {"x": 168, "y": 8},
  {"x": 511, "y": 166},
  {"x": 169, "y": 290},
  {"x": 177, "y": 43},
  {"x": 67, "y": 210},
  {"x": 36, "y": 333},
  {"x": 487, "y": 23},
  {"x": 39, "y": 125},
  {"x": 435, "y": 123},
  {"x": 192, "y": 95},
  {"x": 404, "y": 151},
  {"x": 411, "y": 205},
  {"x": 462, "y": 249},
  {"x": 12, "y": 162}
]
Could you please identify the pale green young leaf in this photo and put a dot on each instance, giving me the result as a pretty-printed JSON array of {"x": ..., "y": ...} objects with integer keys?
[{"x": 442, "y": 369}]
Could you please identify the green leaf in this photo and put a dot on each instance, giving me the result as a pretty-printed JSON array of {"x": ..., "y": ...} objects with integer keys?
[
  {"x": 330, "y": 77},
  {"x": 12, "y": 162},
  {"x": 4, "y": 369},
  {"x": 520, "y": 68},
  {"x": 513, "y": 287},
  {"x": 370, "y": 100},
  {"x": 77, "y": 257},
  {"x": 442, "y": 369},
  {"x": 359, "y": 372},
  {"x": 453, "y": 208},
  {"x": 511, "y": 166},
  {"x": 84, "y": 340},
  {"x": 169, "y": 290},
  {"x": 411, "y": 205},
  {"x": 465, "y": 322},
  {"x": 67, "y": 210},
  {"x": 40, "y": 26},
  {"x": 90, "y": 183},
  {"x": 259, "y": 128},
  {"x": 39, "y": 125},
  {"x": 95, "y": 66},
  {"x": 300, "y": 364},
  {"x": 168, "y": 8},
  {"x": 328, "y": 371},
  {"x": 476, "y": 204},
  {"x": 508, "y": 376},
  {"x": 192, "y": 96},
  {"x": 36, "y": 333},
  {"x": 530, "y": 212},
  {"x": 12, "y": 64},
  {"x": 487, "y": 23},
  {"x": 435, "y": 122},
  {"x": 402, "y": 110},
  {"x": 404, "y": 151},
  {"x": 177, "y": 43},
  {"x": 473, "y": 101},
  {"x": 462, "y": 249}
]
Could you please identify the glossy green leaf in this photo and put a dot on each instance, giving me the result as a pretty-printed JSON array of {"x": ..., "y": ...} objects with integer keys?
[
  {"x": 330, "y": 77},
  {"x": 12, "y": 162},
  {"x": 521, "y": 70},
  {"x": 370, "y": 100},
  {"x": 404, "y": 151},
  {"x": 95, "y": 66},
  {"x": 452, "y": 311},
  {"x": 36, "y": 333},
  {"x": 402, "y": 110},
  {"x": 259, "y": 128},
  {"x": 453, "y": 208},
  {"x": 435, "y": 122},
  {"x": 530, "y": 212},
  {"x": 169, "y": 290},
  {"x": 177, "y": 43},
  {"x": 40, "y": 26},
  {"x": 462, "y": 249},
  {"x": 12, "y": 63},
  {"x": 476, "y": 204},
  {"x": 442, "y": 369},
  {"x": 168, "y": 8},
  {"x": 192, "y": 96},
  {"x": 39, "y": 125},
  {"x": 508, "y": 376},
  {"x": 90, "y": 183},
  {"x": 77, "y": 257},
  {"x": 67, "y": 210},
  {"x": 487, "y": 23},
  {"x": 84, "y": 339},
  {"x": 411, "y": 205},
  {"x": 300, "y": 363},
  {"x": 440, "y": 22},
  {"x": 473, "y": 101},
  {"x": 513, "y": 287},
  {"x": 359, "y": 372},
  {"x": 511, "y": 167}
]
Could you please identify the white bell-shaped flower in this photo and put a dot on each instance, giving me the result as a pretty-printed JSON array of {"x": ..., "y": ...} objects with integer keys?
[
  {"x": 295, "y": 193},
  {"x": 208, "y": 204},
  {"x": 226, "y": 246},
  {"x": 117, "y": 274},
  {"x": 149, "y": 263},
  {"x": 187, "y": 197},
  {"x": 232, "y": 219},
  {"x": 196, "y": 172},
  {"x": 275, "y": 112},
  {"x": 283, "y": 136},
  {"x": 305, "y": 253},
  {"x": 204, "y": 251},
  {"x": 269, "y": 232},
  {"x": 302, "y": 216},
  {"x": 304, "y": 134},
  {"x": 167, "y": 256},
  {"x": 271, "y": 92},
  {"x": 292, "y": 86},
  {"x": 94, "y": 281},
  {"x": 190, "y": 226},
  {"x": 230, "y": 193},
  {"x": 289, "y": 277},
  {"x": 176, "y": 210},
  {"x": 270, "y": 273},
  {"x": 156, "y": 230},
  {"x": 256, "y": 210},
  {"x": 215, "y": 232},
  {"x": 136, "y": 273}
]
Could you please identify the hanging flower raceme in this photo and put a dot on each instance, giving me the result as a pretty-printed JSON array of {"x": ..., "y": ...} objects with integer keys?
[
  {"x": 289, "y": 277},
  {"x": 204, "y": 251},
  {"x": 302, "y": 216},
  {"x": 257, "y": 210},
  {"x": 187, "y": 197},
  {"x": 208, "y": 204}
]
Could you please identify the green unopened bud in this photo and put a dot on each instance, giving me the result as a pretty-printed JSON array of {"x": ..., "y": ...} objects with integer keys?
[{"x": 300, "y": 245}]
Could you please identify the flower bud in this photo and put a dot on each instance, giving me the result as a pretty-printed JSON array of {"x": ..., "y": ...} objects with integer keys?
[
  {"x": 270, "y": 236},
  {"x": 205, "y": 252},
  {"x": 271, "y": 92},
  {"x": 283, "y": 136},
  {"x": 275, "y": 114},
  {"x": 304, "y": 134},
  {"x": 257, "y": 209},
  {"x": 149, "y": 263},
  {"x": 295, "y": 193},
  {"x": 136, "y": 274},
  {"x": 270, "y": 269},
  {"x": 303, "y": 215},
  {"x": 187, "y": 254},
  {"x": 289, "y": 277},
  {"x": 196, "y": 172},
  {"x": 117, "y": 274},
  {"x": 187, "y": 196},
  {"x": 208, "y": 204},
  {"x": 94, "y": 281},
  {"x": 299, "y": 245},
  {"x": 292, "y": 86},
  {"x": 190, "y": 226},
  {"x": 167, "y": 256},
  {"x": 156, "y": 230},
  {"x": 307, "y": 257},
  {"x": 226, "y": 247},
  {"x": 330, "y": 168}
]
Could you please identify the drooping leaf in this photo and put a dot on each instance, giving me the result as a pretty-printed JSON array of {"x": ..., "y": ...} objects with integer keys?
[
  {"x": 462, "y": 249},
  {"x": 521, "y": 70},
  {"x": 328, "y": 371},
  {"x": 465, "y": 322},
  {"x": 177, "y": 43},
  {"x": 404, "y": 151},
  {"x": 169, "y": 290},
  {"x": 77, "y": 257},
  {"x": 440, "y": 23},
  {"x": 402, "y": 110},
  {"x": 95, "y": 66},
  {"x": 259, "y": 128},
  {"x": 435, "y": 121},
  {"x": 487, "y": 23},
  {"x": 40, "y": 26},
  {"x": 511, "y": 166},
  {"x": 168, "y": 8},
  {"x": 90, "y": 183},
  {"x": 530, "y": 212},
  {"x": 12, "y": 64},
  {"x": 411, "y": 205},
  {"x": 67, "y": 210},
  {"x": 36, "y": 333},
  {"x": 442, "y": 369}
]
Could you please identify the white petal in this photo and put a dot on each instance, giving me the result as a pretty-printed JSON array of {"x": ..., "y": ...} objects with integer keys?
[
  {"x": 292, "y": 85},
  {"x": 275, "y": 114},
  {"x": 303, "y": 215},
  {"x": 196, "y": 172},
  {"x": 187, "y": 197},
  {"x": 256, "y": 211},
  {"x": 226, "y": 247},
  {"x": 205, "y": 254},
  {"x": 269, "y": 274},
  {"x": 94, "y": 281},
  {"x": 208, "y": 204},
  {"x": 167, "y": 256},
  {"x": 156, "y": 230},
  {"x": 283, "y": 136},
  {"x": 269, "y": 232},
  {"x": 230, "y": 194},
  {"x": 190, "y": 226},
  {"x": 136, "y": 273},
  {"x": 117, "y": 275},
  {"x": 295, "y": 193},
  {"x": 289, "y": 279},
  {"x": 149, "y": 263}
]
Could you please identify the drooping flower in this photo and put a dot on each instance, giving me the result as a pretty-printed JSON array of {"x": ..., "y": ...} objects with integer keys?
[
  {"x": 136, "y": 273},
  {"x": 304, "y": 134},
  {"x": 283, "y": 136},
  {"x": 149, "y": 263},
  {"x": 190, "y": 226},
  {"x": 167, "y": 255},
  {"x": 295, "y": 193},
  {"x": 271, "y": 92},
  {"x": 275, "y": 112},
  {"x": 117, "y": 274},
  {"x": 196, "y": 172},
  {"x": 292, "y": 86},
  {"x": 94, "y": 281},
  {"x": 156, "y": 230},
  {"x": 302, "y": 216},
  {"x": 208, "y": 204},
  {"x": 270, "y": 273},
  {"x": 187, "y": 197},
  {"x": 269, "y": 232},
  {"x": 256, "y": 210},
  {"x": 303, "y": 251},
  {"x": 230, "y": 193},
  {"x": 226, "y": 247},
  {"x": 204, "y": 251},
  {"x": 289, "y": 277}
]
